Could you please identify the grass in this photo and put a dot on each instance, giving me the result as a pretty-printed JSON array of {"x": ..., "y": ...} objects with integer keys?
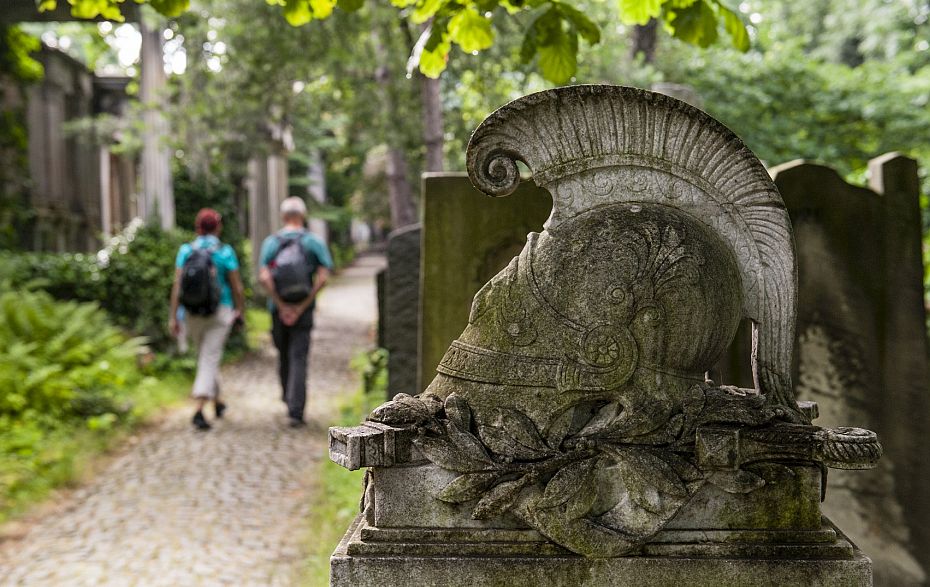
[
  {"x": 337, "y": 491},
  {"x": 69, "y": 452},
  {"x": 257, "y": 326}
]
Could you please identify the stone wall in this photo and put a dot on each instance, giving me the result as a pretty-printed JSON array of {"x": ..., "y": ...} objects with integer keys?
[
  {"x": 861, "y": 350},
  {"x": 79, "y": 189},
  {"x": 467, "y": 239}
]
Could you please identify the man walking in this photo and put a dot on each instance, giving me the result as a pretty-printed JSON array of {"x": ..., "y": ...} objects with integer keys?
[{"x": 294, "y": 266}]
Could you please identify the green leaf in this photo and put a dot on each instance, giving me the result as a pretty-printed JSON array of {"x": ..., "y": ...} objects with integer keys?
[
  {"x": 435, "y": 54},
  {"x": 639, "y": 11},
  {"x": 734, "y": 27},
  {"x": 586, "y": 27},
  {"x": 322, "y": 8},
  {"x": 297, "y": 12},
  {"x": 46, "y": 5},
  {"x": 171, "y": 8},
  {"x": 696, "y": 24},
  {"x": 350, "y": 5},
  {"x": 425, "y": 10},
  {"x": 558, "y": 59},
  {"x": 471, "y": 30}
]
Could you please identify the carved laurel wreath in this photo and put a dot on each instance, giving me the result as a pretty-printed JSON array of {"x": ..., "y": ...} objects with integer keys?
[{"x": 547, "y": 477}]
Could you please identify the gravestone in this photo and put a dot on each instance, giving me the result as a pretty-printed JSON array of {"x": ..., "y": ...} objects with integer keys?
[
  {"x": 467, "y": 239},
  {"x": 380, "y": 286},
  {"x": 861, "y": 349},
  {"x": 570, "y": 436},
  {"x": 401, "y": 309}
]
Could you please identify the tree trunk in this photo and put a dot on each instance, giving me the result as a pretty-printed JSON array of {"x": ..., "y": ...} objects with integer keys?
[
  {"x": 400, "y": 194},
  {"x": 433, "y": 135},
  {"x": 644, "y": 41},
  {"x": 432, "y": 123}
]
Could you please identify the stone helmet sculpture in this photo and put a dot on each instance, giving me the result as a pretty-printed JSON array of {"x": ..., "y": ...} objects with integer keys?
[
  {"x": 660, "y": 241},
  {"x": 576, "y": 400}
]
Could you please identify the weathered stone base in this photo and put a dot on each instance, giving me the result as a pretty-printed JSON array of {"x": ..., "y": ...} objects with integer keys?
[{"x": 421, "y": 557}]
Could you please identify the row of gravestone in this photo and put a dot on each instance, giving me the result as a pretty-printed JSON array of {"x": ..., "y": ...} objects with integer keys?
[{"x": 861, "y": 343}]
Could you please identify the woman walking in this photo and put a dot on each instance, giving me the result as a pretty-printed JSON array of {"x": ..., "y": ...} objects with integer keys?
[{"x": 207, "y": 284}]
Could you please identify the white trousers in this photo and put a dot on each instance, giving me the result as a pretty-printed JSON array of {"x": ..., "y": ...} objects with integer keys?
[{"x": 208, "y": 334}]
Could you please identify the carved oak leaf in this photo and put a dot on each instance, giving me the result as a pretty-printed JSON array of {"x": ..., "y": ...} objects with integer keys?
[
  {"x": 467, "y": 487},
  {"x": 512, "y": 434},
  {"x": 740, "y": 481},
  {"x": 559, "y": 427},
  {"x": 467, "y": 444},
  {"x": 402, "y": 410},
  {"x": 602, "y": 419},
  {"x": 499, "y": 499},
  {"x": 573, "y": 488},
  {"x": 448, "y": 455},
  {"x": 458, "y": 412},
  {"x": 648, "y": 478}
]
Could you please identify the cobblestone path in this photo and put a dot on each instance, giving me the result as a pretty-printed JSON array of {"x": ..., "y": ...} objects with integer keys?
[{"x": 218, "y": 508}]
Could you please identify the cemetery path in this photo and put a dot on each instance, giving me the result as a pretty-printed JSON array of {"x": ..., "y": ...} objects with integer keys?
[{"x": 224, "y": 507}]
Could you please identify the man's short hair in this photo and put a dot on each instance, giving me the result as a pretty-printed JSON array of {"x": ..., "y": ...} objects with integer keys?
[{"x": 293, "y": 205}]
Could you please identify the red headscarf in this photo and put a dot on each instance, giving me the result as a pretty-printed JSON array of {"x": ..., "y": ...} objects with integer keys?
[{"x": 207, "y": 221}]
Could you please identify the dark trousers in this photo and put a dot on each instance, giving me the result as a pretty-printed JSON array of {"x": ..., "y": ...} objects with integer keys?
[{"x": 293, "y": 344}]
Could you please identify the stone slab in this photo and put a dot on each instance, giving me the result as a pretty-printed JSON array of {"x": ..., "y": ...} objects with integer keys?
[
  {"x": 467, "y": 239},
  {"x": 561, "y": 570},
  {"x": 401, "y": 309},
  {"x": 861, "y": 347},
  {"x": 793, "y": 504}
]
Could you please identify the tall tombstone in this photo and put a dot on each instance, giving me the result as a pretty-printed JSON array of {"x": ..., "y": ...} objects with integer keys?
[
  {"x": 570, "y": 436},
  {"x": 466, "y": 240},
  {"x": 401, "y": 308},
  {"x": 861, "y": 348}
]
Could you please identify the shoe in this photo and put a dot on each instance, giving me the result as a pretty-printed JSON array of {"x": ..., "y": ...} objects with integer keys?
[
  {"x": 295, "y": 423},
  {"x": 199, "y": 422},
  {"x": 220, "y": 408}
]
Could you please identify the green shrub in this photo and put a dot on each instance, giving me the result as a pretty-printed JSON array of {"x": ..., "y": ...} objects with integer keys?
[
  {"x": 138, "y": 269},
  {"x": 60, "y": 359},
  {"x": 67, "y": 373},
  {"x": 130, "y": 277}
]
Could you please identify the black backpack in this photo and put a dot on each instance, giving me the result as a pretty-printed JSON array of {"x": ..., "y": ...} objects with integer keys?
[
  {"x": 200, "y": 287},
  {"x": 291, "y": 270}
]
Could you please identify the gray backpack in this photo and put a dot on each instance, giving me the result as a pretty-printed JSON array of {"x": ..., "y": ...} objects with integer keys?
[{"x": 291, "y": 270}]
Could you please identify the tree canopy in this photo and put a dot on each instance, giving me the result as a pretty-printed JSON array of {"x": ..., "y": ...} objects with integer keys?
[{"x": 552, "y": 29}]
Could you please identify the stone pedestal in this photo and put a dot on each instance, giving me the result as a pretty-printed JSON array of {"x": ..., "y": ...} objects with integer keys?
[{"x": 415, "y": 557}]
